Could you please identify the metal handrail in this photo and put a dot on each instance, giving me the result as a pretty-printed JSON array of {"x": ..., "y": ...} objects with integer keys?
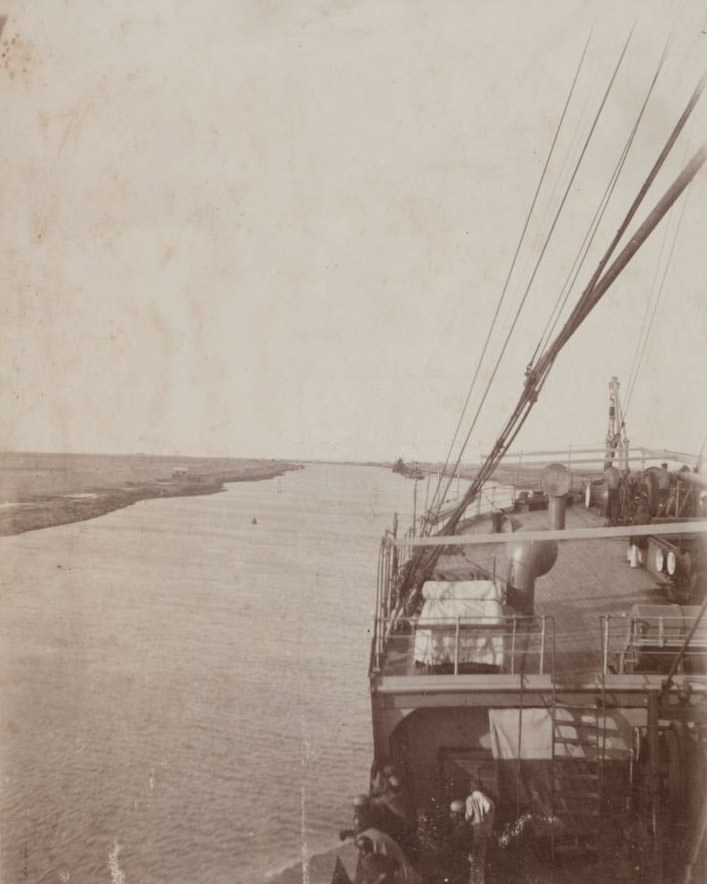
[
  {"x": 661, "y": 640},
  {"x": 507, "y": 629}
]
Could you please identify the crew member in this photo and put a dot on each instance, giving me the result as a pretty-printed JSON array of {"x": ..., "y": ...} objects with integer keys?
[
  {"x": 374, "y": 868},
  {"x": 460, "y": 842},
  {"x": 379, "y": 781},
  {"x": 390, "y": 816},
  {"x": 664, "y": 484},
  {"x": 480, "y": 813},
  {"x": 366, "y": 824},
  {"x": 392, "y": 795},
  {"x": 362, "y": 817}
]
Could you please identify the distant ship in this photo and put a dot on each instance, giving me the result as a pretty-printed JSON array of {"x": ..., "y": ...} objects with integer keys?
[{"x": 410, "y": 471}]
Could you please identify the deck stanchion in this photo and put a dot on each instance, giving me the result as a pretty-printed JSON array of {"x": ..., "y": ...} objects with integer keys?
[
  {"x": 542, "y": 645},
  {"x": 386, "y": 579},
  {"x": 513, "y": 645},
  {"x": 518, "y": 473},
  {"x": 380, "y": 591},
  {"x": 605, "y": 643},
  {"x": 456, "y": 650},
  {"x": 654, "y": 780},
  {"x": 520, "y": 743}
]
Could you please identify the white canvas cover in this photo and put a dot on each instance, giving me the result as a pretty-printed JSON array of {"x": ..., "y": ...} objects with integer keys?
[
  {"x": 477, "y": 605},
  {"x": 534, "y": 727},
  {"x": 461, "y": 589}
]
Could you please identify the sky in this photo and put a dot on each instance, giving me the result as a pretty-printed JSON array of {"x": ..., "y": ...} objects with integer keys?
[{"x": 281, "y": 228}]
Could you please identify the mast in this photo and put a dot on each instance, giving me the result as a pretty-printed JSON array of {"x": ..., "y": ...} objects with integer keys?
[{"x": 616, "y": 441}]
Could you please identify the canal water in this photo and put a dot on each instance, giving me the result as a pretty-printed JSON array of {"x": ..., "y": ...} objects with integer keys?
[{"x": 183, "y": 683}]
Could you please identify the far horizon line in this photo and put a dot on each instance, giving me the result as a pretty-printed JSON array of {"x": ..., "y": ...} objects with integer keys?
[{"x": 511, "y": 458}]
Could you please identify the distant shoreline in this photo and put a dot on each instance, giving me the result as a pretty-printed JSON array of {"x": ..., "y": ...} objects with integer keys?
[{"x": 45, "y": 490}]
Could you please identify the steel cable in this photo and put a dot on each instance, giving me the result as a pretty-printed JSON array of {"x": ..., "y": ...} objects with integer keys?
[
  {"x": 586, "y": 244},
  {"x": 436, "y": 499},
  {"x": 597, "y": 116}
]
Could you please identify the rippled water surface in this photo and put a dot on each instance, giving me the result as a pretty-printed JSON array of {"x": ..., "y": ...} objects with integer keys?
[{"x": 183, "y": 694}]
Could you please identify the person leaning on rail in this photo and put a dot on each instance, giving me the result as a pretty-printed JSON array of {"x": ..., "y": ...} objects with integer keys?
[
  {"x": 374, "y": 868},
  {"x": 365, "y": 824},
  {"x": 388, "y": 811}
]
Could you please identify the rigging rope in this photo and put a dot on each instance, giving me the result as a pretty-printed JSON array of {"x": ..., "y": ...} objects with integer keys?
[
  {"x": 586, "y": 244},
  {"x": 438, "y": 500},
  {"x": 654, "y": 300},
  {"x": 639, "y": 355},
  {"x": 524, "y": 297},
  {"x": 585, "y": 303},
  {"x": 647, "y": 320}
]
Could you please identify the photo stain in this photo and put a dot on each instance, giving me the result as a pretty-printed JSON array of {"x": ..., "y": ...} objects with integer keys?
[{"x": 16, "y": 55}]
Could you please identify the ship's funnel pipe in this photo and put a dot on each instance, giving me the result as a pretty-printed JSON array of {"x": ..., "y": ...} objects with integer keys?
[
  {"x": 527, "y": 561},
  {"x": 557, "y": 507}
]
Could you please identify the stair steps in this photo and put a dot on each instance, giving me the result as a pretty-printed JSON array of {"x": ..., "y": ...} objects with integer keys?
[{"x": 577, "y": 750}]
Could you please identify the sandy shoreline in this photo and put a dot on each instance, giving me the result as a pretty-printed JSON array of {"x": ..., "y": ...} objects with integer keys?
[{"x": 43, "y": 490}]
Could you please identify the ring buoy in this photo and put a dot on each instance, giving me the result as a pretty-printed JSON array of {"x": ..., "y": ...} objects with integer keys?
[
  {"x": 671, "y": 563},
  {"x": 659, "y": 559},
  {"x": 637, "y": 741}
]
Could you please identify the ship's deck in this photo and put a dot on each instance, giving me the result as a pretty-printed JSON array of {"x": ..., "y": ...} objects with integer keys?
[{"x": 589, "y": 579}]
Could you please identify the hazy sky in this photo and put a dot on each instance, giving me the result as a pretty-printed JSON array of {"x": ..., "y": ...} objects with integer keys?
[{"x": 280, "y": 228}]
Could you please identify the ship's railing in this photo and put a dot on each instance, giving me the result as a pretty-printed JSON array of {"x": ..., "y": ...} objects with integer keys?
[
  {"x": 452, "y": 646},
  {"x": 392, "y": 560},
  {"x": 650, "y": 642},
  {"x": 492, "y": 499}
]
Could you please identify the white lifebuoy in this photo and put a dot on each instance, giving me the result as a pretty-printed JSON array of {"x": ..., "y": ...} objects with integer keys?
[
  {"x": 671, "y": 563},
  {"x": 659, "y": 559},
  {"x": 637, "y": 743}
]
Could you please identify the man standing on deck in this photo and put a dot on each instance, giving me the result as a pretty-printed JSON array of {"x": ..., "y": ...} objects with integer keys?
[
  {"x": 480, "y": 813},
  {"x": 664, "y": 486},
  {"x": 460, "y": 842}
]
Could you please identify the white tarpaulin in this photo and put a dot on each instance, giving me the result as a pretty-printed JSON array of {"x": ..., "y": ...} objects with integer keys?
[
  {"x": 473, "y": 605},
  {"x": 532, "y": 726},
  {"x": 586, "y": 733}
]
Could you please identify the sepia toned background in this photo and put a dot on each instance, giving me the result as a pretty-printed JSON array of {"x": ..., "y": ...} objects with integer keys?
[{"x": 269, "y": 229}]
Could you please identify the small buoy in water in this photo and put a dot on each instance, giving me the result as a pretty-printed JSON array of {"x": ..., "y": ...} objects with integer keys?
[{"x": 253, "y": 521}]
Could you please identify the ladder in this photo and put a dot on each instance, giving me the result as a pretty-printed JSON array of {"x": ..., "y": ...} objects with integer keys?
[{"x": 578, "y": 743}]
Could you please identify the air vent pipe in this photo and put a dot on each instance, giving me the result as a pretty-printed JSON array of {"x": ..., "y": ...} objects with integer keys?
[
  {"x": 529, "y": 560},
  {"x": 556, "y": 482}
]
